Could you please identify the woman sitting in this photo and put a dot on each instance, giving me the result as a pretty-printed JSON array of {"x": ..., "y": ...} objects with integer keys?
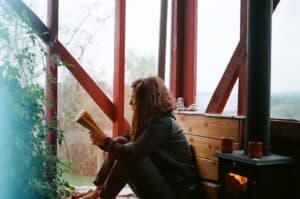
[{"x": 154, "y": 159}]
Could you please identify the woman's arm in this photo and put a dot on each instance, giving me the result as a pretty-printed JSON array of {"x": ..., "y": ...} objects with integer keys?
[{"x": 149, "y": 140}]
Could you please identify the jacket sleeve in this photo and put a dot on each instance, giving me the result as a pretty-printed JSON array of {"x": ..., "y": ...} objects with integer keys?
[{"x": 149, "y": 140}]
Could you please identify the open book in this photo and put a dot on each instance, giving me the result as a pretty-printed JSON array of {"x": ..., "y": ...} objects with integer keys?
[{"x": 85, "y": 119}]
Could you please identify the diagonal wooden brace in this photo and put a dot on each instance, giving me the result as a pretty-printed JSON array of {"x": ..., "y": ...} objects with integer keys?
[
  {"x": 230, "y": 75},
  {"x": 33, "y": 21}
]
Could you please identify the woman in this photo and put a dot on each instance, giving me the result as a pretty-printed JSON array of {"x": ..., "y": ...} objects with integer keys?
[{"x": 155, "y": 158}]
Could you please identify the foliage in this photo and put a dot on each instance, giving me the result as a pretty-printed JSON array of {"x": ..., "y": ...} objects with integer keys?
[
  {"x": 82, "y": 155},
  {"x": 139, "y": 66},
  {"x": 29, "y": 168}
]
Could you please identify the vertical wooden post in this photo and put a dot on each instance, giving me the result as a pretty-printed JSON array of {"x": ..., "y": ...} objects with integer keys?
[
  {"x": 190, "y": 51},
  {"x": 51, "y": 74},
  {"x": 241, "y": 109},
  {"x": 176, "y": 79},
  {"x": 184, "y": 50},
  {"x": 162, "y": 39},
  {"x": 119, "y": 63}
]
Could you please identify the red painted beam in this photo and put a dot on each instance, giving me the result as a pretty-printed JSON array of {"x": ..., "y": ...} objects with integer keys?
[
  {"x": 176, "y": 80},
  {"x": 162, "y": 39},
  {"x": 183, "y": 50},
  {"x": 86, "y": 82},
  {"x": 222, "y": 92},
  {"x": 119, "y": 63},
  {"x": 51, "y": 82},
  {"x": 242, "y": 89},
  {"x": 74, "y": 67},
  {"x": 51, "y": 76},
  {"x": 190, "y": 52},
  {"x": 242, "y": 97}
]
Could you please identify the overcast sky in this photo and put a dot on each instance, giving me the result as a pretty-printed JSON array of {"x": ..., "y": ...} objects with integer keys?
[{"x": 218, "y": 35}]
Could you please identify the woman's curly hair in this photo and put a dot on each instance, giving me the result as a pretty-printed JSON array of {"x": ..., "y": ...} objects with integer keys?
[{"x": 152, "y": 100}]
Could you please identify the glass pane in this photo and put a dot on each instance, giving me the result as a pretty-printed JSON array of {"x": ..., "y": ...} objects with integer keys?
[
  {"x": 142, "y": 37},
  {"x": 86, "y": 29},
  {"x": 218, "y": 36},
  {"x": 285, "y": 96}
]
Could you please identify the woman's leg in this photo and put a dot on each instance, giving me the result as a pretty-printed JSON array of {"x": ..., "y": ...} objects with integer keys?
[
  {"x": 147, "y": 181},
  {"x": 114, "y": 183},
  {"x": 143, "y": 177},
  {"x": 107, "y": 164},
  {"x": 104, "y": 171}
]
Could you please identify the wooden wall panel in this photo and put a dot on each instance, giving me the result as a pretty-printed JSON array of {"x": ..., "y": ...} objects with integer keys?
[
  {"x": 209, "y": 126},
  {"x": 205, "y": 147},
  {"x": 210, "y": 190},
  {"x": 208, "y": 169},
  {"x": 205, "y": 132}
]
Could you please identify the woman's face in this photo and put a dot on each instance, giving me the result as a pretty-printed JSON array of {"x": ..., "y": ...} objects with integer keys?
[{"x": 132, "y": 101}]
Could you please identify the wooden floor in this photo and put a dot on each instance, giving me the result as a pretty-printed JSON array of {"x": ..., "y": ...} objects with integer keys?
[
  {"x": 126, "y": 192},
  {"x": 124, "y": 197}
]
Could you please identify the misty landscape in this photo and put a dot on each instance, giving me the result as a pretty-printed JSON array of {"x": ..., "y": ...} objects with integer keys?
[{"x": 285, "y": 105}]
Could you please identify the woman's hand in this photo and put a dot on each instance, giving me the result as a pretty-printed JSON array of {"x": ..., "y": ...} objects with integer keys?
[{"x": 97, "y": 138}]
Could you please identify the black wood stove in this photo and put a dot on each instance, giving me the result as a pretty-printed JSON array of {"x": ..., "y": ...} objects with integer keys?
[{"x": 268, "y": 177}]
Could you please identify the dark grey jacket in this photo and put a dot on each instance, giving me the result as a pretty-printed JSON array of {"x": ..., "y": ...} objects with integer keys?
[{"x": 165, "y": 144}]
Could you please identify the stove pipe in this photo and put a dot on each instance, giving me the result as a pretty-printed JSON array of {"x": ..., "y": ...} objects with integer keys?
[{"x": 258, "y": 74}]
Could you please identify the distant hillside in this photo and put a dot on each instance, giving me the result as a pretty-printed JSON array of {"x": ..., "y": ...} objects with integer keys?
[{"x": 283, "y": 105}]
